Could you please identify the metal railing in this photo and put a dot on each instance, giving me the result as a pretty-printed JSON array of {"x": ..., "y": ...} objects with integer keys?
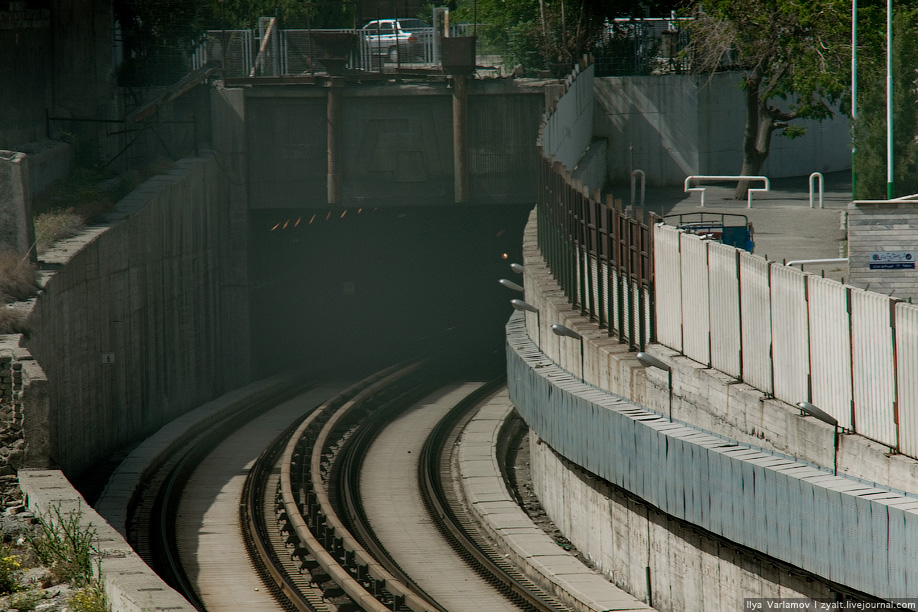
[{"x": 601, "y": 257}]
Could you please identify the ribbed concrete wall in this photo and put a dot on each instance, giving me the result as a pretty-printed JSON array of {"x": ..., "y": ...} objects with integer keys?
[{"x": 141, "y": 324}]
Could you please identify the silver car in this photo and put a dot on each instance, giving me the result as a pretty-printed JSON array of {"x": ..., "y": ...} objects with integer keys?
[{"x": 397, "y": 39}]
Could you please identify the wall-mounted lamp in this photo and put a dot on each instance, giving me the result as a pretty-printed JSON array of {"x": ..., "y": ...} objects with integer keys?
[
  {"x": 652, "y": 362},
  {"x": 523, "y": 306},
  {"x": 560, "y": 330},
  {"x": 518, "y": 268},
  {"x": 510, "y": 285},
  {"x": 813, "y": 411}
]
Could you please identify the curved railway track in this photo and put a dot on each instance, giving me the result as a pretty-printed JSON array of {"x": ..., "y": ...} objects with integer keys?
[{"x": 303, "y": 517}]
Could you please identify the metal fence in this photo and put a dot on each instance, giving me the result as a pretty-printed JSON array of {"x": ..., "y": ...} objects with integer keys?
[
  {"x": 245, "y": 53},
  {"x": 792, "y": 334},
  {"x": 599, "y": 255}
]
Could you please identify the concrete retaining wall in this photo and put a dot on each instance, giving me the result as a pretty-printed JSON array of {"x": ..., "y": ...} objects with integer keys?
[
  {"x": 676, "y": 125},
  {"x": 140, "y": 324}
]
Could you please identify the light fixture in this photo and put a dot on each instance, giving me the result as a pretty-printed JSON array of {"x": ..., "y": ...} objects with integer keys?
[
  {"x": 560, "y": 330},
  {"x": 518, "y": 268},
  {"x": 827, "y": 418},
  {"x": 510, "y": 285},
  {"x": 524, "y": 306},
  {"x": 652, "y": 362}
]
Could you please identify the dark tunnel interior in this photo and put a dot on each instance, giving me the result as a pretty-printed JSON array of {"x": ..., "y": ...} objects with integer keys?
[{"x": 348, "y": 291}]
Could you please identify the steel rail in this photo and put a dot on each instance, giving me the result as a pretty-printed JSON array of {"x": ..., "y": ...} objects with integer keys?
[{"x": 430, "y": 472}]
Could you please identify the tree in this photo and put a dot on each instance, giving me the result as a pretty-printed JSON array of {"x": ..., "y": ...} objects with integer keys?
[
  {"x": 542, "y": 34},
  {"x": 870, "y": 138},
  {"x": 795, "y": 63}
]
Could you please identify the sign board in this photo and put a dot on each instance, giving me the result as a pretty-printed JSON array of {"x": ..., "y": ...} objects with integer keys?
[{"x": 892, "y": 260}]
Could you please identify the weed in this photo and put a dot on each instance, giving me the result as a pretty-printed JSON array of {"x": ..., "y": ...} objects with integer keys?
[
  {"x": 25, "y": 600},
  {"x": 10, "y": 571},
  {"x": 65, "y": 547},
  {"x": 89, "y": 599}
]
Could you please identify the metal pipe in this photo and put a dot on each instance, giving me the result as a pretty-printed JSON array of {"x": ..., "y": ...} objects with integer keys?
[
  {"x": 801, "y": 262},
  {"x": 726, "y": 177},
  {"x": 334, "y": 85},
  {"x": 460, "y": 148},
  {"x": 890, "y": 189},
  {"x": 813, "y": 177}
]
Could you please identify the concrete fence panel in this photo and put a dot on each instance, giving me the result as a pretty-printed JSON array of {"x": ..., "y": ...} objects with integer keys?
[
  {"x": 755, "y": 307},
  {"x": 696, "y": 337},
  {"x": 907, "y": 364},
  {"x": 873, "y": 366},
  {"x": 668, "y": 283},
  {"x": 830, "y": 348},
  {"x": 790, "y": 342},
  {"x": 724, "y": 297}
]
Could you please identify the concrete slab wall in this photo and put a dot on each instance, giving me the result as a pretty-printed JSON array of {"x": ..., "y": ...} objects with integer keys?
[
  {"x": 394, "y": 144},
  {"x": 133, "y": 329},
  {"x": 673, "y": 126},
  {"x": 623, "y": 537},
  {"x": 883, "y": 228}
]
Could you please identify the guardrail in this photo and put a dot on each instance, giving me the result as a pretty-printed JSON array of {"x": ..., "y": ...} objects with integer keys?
[{"x": 727, "y": 177}]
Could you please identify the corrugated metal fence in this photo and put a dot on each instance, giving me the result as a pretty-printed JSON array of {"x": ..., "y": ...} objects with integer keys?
[
  {"x": 799, "y": 337},
  {"x": 852, "y": 353}
]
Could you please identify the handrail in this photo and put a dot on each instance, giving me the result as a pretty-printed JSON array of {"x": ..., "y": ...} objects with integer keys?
[
  {"x": 635, "y": 174},
  {"x": 726, "y": 177},
  {"x": 822, "y": 181}
]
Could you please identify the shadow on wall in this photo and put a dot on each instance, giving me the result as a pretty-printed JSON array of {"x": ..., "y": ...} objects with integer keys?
[{"x": 349, "y": 292}]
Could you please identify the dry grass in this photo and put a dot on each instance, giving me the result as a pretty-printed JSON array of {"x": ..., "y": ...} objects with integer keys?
[
  {"x": 18, "y": 278},
  {"x": 53, "y": 226},
  {"x": 13, "y": 321}
]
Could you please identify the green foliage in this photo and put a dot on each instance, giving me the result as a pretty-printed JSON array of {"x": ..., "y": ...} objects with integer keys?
[
  {"x": 10, "y": 571},
  {"x": 870, "y": 137},
  {"x": 795, "y": 59},
  {"x": 65, "y": 546}
]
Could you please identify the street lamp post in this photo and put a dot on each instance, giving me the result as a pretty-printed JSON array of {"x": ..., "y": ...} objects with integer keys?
[
  {"x": 652, "y": 362},
  {"x": 523, "y": 306},
  {"x": 813, "y": 411},
  {"x": 560, "y": 330}
]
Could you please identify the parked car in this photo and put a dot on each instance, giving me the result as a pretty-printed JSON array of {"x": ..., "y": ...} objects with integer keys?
[{"x": 398, "y": 39}]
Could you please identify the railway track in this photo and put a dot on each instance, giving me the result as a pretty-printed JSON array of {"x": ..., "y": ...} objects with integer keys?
[{"x": 304, "y": 520}]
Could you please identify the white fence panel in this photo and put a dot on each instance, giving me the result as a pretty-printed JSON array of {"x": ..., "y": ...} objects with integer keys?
[
  {"x": 790, "y": 345},
  {"x": 907, "y": 364},
  {"x": 668, "y": 283},
  {"x": 830, "y": 348},
  {"x": 696, "y": 336},
  {"x": 755, "y": 304},
  {"x": 873, "y": 367},
  {"x": 723, "y": 284}
]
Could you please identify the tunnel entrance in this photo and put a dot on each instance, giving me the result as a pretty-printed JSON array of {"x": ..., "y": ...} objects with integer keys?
[{"x": 349, "y": 291}]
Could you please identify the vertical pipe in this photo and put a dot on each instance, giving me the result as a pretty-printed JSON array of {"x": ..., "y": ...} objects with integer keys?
[
  {"x": 333, "y": 86},
  {"x": 460, "y": 137},
  {"x": 889, "y": 101},
  {"x": 853, "y": 92}
]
